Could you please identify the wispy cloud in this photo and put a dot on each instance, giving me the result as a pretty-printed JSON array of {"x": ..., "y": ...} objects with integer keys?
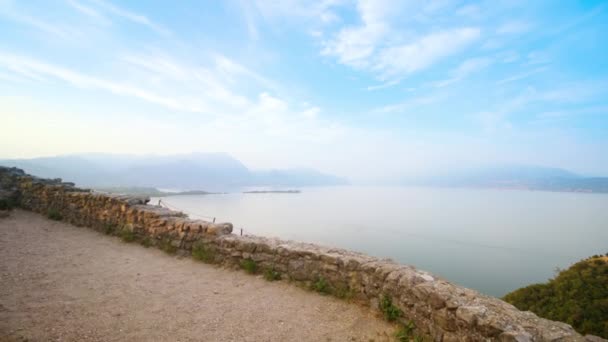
[
  {"x": 28, "y": 67},
  {"x": 41, "y": 25},
  {"x": 521, "y": 76},
  {"x": 373, "y": 45},
  {"x": 465, "y": 69},
  {"x": 397, "y": 61},
  {"x": 88, "y": 11},
  {"x": 132, "y": 16}
]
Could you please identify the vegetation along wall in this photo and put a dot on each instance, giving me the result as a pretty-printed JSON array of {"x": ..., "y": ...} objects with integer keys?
[{"x": 423, "y": 304}]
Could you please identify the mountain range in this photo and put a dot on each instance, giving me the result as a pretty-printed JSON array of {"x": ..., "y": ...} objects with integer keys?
[
  {"x": 517, "y": 177},
  {"x": 195, "y": 171},
  {"x": 221, "y": 172}
]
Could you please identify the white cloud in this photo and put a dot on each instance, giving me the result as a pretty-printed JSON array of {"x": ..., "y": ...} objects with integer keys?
[
  {"x": 89, "y": 11},
  {"x": 132, "y": 16},
  {"x": 465, "y": 69},
  {"x": 397, "y": 61},
  {"x": 27, "y": 67},
  {"x": 521, "y": 76},
  {"x": 384, "y": 46}
]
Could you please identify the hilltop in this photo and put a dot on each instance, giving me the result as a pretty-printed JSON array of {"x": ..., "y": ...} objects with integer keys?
[
  {"x": 577, "y": 296},
  {"x": 212, "y": 172}
]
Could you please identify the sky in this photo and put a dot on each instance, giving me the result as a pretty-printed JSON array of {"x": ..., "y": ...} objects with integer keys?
[{"x": 363, "y": 89}]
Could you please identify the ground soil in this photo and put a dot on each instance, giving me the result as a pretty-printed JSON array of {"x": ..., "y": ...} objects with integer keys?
[{"x": 59, "y": 282}]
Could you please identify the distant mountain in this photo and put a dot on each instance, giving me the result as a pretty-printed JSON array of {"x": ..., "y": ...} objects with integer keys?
[
  {"x": 295, "y": 177},
  {"x": 199, "y": 171},
  {"x": 519, "y": 177}
]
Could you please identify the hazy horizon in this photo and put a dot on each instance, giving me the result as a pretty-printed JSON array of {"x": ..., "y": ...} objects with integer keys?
[{"x": 368, "y": 90}]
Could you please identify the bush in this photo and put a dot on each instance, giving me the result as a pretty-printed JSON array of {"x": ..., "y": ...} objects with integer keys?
[
  {"x": 406, "y": 333},
  {"x": 577, "y": 296},
  {"x": 127, "y": 235},
  {"x": 202, "y": 253},
  {"x": 54, "y": 214},
  {"x": 6, "y": 204},
  {"x": 250, "y": 266},
  {"x": 343, "y": 292},
  {"x": 166, "y": 246},
  {"x": 109, "y": 228},
  {"x": 271, "y": 275},
  {"x": 146, "y": 242},
  {"x": 321, "y": 285},
  {"x": 390, "y": 311}
]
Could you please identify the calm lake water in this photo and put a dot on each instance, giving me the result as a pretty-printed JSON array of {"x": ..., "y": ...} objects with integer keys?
[{"x": 493, "y": 241}]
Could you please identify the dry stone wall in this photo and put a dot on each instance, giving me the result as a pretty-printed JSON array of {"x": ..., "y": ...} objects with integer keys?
[{"x": 438, "y": 309}]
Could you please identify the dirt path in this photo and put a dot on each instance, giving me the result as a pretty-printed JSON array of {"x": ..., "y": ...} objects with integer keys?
[{"x": 63, "y": 283}]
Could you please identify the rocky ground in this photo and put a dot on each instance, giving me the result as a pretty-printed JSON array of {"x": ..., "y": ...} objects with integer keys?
[{"x": 63, "y": 283}]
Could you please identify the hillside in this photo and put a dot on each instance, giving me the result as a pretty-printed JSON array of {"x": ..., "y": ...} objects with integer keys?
[
  {"x": 577, "y": 296},
  {"x": 200, "y": 171},
  {"x": 519, "y": 177}
]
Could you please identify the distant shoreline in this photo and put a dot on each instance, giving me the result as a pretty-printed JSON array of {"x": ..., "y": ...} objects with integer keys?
[{"x": 272, "y": 192}]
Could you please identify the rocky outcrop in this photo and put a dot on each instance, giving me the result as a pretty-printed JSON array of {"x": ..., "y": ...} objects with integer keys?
[{"x": 438, "y": 309}]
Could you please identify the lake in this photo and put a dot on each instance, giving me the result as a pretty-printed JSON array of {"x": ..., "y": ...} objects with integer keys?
[{"x": 490, "y": 240}]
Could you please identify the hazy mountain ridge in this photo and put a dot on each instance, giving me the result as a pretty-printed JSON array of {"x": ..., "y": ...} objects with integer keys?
[
  {"x": 520, "y": 177},
  {"x": 200, "y": 171}
]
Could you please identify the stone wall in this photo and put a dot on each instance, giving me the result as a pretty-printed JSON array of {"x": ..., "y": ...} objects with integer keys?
[{"x": 438, "y": 309}]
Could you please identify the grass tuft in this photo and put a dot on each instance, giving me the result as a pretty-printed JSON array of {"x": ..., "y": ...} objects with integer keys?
[
  {"x": 271, "y": 274},
  {"x": 146, "y": 242},
  {"x": 390, "y": 311},
  {"x": 166, "y": 246},
  {"x": 250, "y": 266},
  {"x": 54, "y": 214},
  {"x": 6, "y": 204},
  {"x": 109, "y": 229},
  {"x": 321, "y": 286},
  {"x": 202, "y": 253},
  {"x": 127, "y": 235},
  {"x": 406, "y": 333}
]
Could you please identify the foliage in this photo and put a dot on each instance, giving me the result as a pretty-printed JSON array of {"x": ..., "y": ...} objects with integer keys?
[
  {"x": 343, "y": 292},
  {"x": 390, "y": 311},
  {"x": 146, "y": 242},
  {"x": 577, "y": 296},
  {"x": 321, "y": 285},
  {"x": 202, "y": 253},
  {"x": 54, "y": 214},
  {"x": 271, "y": 274},
  {"x": 109, "y": 228},
  {"x": 166, "y": 246},
  {"x": 406, "y": 333},
  {"x": 127, "y": 235},
  {"x": 250, "y": 266},
  {"x": 6, "y": 204}
]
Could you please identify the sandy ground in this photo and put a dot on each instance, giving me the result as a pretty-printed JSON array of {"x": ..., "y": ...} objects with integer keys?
[{"x": 59, "y": 282}]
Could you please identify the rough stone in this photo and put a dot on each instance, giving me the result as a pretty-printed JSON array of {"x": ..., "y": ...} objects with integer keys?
[{"x": 440, "y": 309}]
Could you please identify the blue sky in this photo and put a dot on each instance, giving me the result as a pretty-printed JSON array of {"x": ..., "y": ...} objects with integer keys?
[{"x": 365, "y": 89}]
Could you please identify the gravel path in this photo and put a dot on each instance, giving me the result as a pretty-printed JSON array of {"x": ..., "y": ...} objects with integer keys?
[{"x": 59, "y": 282}]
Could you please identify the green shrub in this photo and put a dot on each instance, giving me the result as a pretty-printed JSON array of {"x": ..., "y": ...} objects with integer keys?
[
  {"x": 127, "y": 235},
  {"x": 390, "y": 311},
  {"x": 577, "y": 296},
  {"x": 321, "y": 285},
  {"x": 146, "y": 242},
  {"x": 54, "y": 214},
  {"x": 109, "y": 228},
  {"x": 406, "y": 333},
  {"x": 250, "y": 266},
  {"x": 6, "y": 204},
  {"x": 166, "y": 246},
  {"x": 343, "y": 292},
  {"x": 271, "y": 275},
  {"x": 202, "y": 253}
]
